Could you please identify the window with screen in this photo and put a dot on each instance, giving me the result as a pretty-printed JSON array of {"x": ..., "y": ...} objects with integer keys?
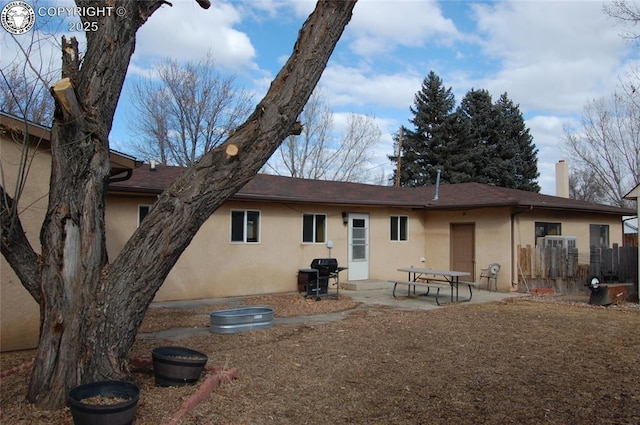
[
  {"x": 245, "y": 226},
  {"x": 314, "y": 228},
  {"x": 399, "y": 228}
]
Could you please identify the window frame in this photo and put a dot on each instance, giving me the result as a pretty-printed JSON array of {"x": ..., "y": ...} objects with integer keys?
[
  {"x": 599, "y": 228},
  {"x": 400, "y": 219},
  {"x": 546, "y": 225},
  {"x": 314, "y": 228},
  {"x": 245, "y": 226}
]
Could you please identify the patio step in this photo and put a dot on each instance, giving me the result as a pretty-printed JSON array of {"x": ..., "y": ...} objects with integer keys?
[{"x": 364, "y": 285}]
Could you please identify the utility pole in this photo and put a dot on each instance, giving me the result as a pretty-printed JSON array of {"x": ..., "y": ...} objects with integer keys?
[{"x": 399, "y": 158}]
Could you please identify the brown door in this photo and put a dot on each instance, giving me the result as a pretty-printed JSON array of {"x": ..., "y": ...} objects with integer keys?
[{"x": 463, "y": 247}]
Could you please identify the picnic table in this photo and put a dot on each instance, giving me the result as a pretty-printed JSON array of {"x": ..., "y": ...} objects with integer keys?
[{"x": 434, "y": 279}]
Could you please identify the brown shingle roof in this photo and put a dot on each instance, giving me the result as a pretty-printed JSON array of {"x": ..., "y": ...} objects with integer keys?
[
  {"x": 475, "y": 195},
  {"x": 265, "y": 187}
]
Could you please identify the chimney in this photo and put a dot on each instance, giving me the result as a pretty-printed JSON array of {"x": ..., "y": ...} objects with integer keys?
[
  {"x": 562, "y": 179},
  {"x": 152, "y": 165}
]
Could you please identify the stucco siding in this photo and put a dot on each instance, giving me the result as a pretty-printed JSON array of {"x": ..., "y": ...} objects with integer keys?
[
  {"x": 19, "y": 313},
  {"x": 492, "y": 240},
  {"x": 574, "y": 224},
  {"x": 387, "y": 256},
  {"x": 213, "y": 266}
]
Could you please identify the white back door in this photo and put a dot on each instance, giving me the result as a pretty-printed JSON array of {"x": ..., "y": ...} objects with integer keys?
[{"x": 358, "y": 246}]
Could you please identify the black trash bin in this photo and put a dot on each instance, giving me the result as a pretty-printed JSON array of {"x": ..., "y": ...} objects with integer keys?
[{"x": 309, "y": 281}]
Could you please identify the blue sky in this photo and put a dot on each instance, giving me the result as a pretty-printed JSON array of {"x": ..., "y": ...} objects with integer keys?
[{"x": 551, "y": 57}]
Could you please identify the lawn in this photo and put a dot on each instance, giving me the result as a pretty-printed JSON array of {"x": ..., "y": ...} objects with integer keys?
[{"x": 531, "y": 360}]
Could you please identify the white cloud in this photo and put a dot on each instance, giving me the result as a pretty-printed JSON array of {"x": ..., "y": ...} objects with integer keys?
[
  {"x": 354, "y": 86},
  {"x": 186, "y": 32},
  {"x": 551, "y": 56},
  {"x": 548, "y": 131},
  {"x": 381, "y": 26}
]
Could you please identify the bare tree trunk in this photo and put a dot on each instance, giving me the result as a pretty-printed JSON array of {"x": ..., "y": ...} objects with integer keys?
[{"x": 91, "y": 310}]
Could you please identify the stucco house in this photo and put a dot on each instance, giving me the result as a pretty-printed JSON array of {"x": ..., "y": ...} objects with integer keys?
[{"x": 274, "y": 226}]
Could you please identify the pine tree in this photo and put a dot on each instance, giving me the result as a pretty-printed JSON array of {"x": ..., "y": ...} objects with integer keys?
[
  {"x": 479, "y": 142},
  {"x": 517, "y": 152},
  {"x": 492, "y": 144},
  {"x": 423, "y": 147},
  {"x": 470, "y": 153}
]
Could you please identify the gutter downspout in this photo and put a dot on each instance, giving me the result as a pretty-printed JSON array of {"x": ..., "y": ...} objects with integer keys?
[{"x": 514, "y": 270}]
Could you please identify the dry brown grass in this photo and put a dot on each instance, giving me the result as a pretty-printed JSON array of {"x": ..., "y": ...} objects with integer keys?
[{"x": 523, "y": 361}]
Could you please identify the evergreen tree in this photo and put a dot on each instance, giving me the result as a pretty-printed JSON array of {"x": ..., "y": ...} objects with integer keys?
[
  {"x": 492, "y": 144},
  {"x": 470, "y": 152},
  {"x": 516, "y": 150},
  {"x": 479, "y": 142},
  {"x": 424, "y": 146}
]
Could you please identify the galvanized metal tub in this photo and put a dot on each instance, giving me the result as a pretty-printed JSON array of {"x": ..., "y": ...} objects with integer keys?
[{"x": 240, "y": 320}]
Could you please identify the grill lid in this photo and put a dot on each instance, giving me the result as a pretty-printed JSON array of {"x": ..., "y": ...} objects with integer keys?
[{"x": 325, "y": 266}]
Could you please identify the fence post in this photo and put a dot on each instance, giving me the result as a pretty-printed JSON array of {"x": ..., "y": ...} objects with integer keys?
[{"x": 595, "y": 261}]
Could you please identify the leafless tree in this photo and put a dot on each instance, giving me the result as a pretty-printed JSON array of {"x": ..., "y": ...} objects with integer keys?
[
  {"x": 627, "y": 13},
  {"x": 606, "y": 146},
  {"x": 318, "y": 153},
  {"x": 586, "y": 186},
  {"x": 91, "y": 308},
  {"x": 184, "y": 111},
  {"x": 25, "y": 94},
  {"x": 300, "y": 154}
]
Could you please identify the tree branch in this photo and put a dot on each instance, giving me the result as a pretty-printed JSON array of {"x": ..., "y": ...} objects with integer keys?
[
  {"x": 16, "y": 248},
  {"x": 204, "y": 187}
]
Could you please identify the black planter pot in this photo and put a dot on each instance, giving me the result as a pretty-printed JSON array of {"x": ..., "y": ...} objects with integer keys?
[
  {"x": 175, "y": 366},
  {"x": 104, "y": 414}
]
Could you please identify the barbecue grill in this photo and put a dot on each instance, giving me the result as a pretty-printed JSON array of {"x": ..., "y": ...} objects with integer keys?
[
  {"x": 607, "y": 293},
  {"x": 316, "y": 279}
]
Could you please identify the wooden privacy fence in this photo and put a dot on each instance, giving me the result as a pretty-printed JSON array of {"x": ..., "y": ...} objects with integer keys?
[{"x": 565, "y": 270}]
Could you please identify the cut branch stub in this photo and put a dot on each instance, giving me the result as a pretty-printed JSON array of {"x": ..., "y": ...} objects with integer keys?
[
  {"x": 231, "y": 150},
  {"x": 296, "y": 130},
  {"x": 65, "y": 97}
]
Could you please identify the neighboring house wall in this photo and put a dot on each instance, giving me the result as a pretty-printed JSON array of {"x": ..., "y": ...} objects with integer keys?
[
  {"x": 572, "y": 224},
  {"x": 19, "y": 313},
  {"x": 213, "y": 266},
  {"x": 576, "y": 224}
]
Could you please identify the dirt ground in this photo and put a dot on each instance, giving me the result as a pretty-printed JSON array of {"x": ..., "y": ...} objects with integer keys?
[{"x": 531, "y": 360}]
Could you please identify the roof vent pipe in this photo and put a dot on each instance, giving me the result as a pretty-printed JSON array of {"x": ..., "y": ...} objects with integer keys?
[
  {"x": 435, "y": 196},
  {"x": 152, "y": 165}
]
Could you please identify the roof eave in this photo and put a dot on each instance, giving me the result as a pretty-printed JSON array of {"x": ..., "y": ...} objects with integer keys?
[
  {"x": 531, "y": 205},
  {"x": 255, "y": 197}
]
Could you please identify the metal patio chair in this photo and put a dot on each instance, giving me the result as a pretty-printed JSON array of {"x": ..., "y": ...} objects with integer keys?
[{"x": 491, "y": 274}]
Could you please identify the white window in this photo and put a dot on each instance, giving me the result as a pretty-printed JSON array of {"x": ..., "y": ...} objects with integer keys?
[
  {"x": 314, "y": 228},
  {"x": 245, "y": 226},
  {"x": 399, "y": 228}
]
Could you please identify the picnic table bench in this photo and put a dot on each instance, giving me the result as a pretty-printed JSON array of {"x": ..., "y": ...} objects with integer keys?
[{"x": 429, "y": 278}]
